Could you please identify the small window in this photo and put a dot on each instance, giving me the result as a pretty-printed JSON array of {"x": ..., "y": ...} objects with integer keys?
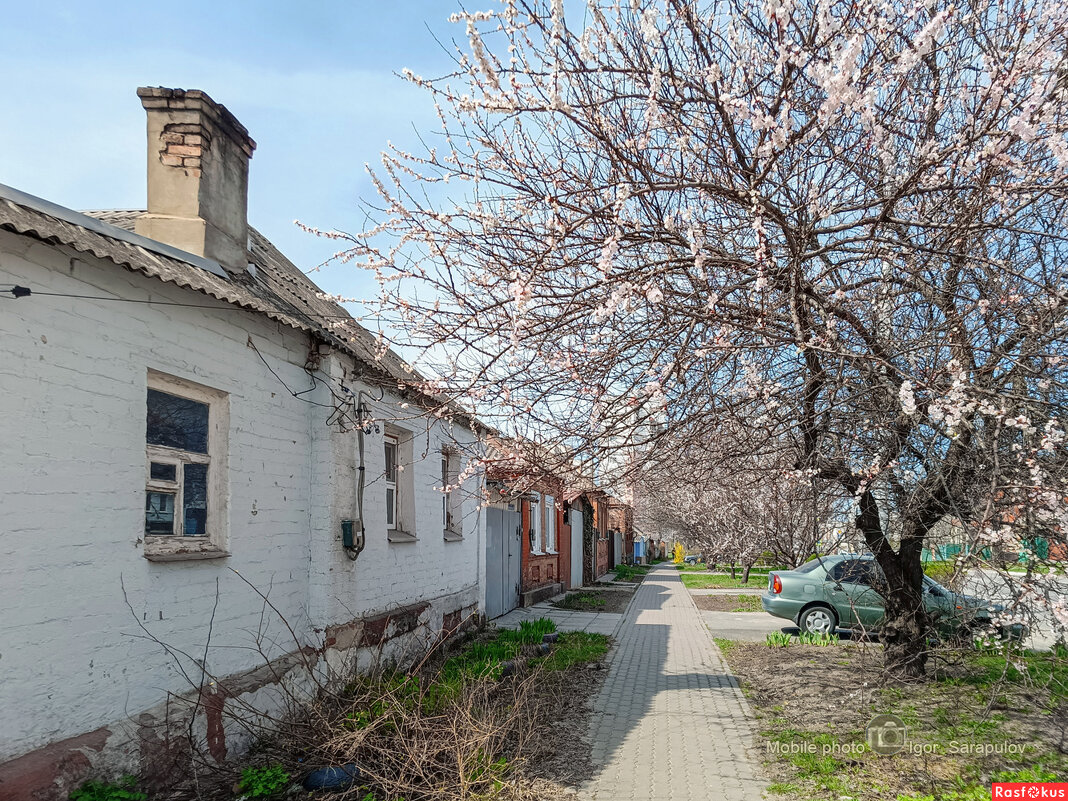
[
  {"x": 451, "y": 523},
  {"x": 185, "y": 440},
  {"x": 446, "y": 516},
  {"x": 391, "y": 482},
  {"x": 536, "y": 512},
  {"x": 398, "y": 493},
  {"x": 550, "y": 524}
]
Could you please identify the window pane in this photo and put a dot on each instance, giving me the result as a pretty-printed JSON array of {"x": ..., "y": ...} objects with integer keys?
[
  {"x": 175, "y": 422},
  {"x": 550, "y": 523},
  {"x": 391, "y": 513},
  {"x": 163, "y": 472},
  {"x": 391, "y": 461},
  {"x": 195, "y": 500},
  {"x": 159, "y": 513}
]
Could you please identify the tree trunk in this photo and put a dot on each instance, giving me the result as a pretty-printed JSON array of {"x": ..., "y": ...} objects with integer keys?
[
  {"x": 745, "y": 572},
  {"x": 732, "y": 571},
  {"x": 904, "y": 630},
  {"x": 904, "y": 633}
]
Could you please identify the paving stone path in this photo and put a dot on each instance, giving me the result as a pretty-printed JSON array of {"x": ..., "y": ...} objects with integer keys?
[
  {"x": 565, "y": 619},
  {"x": 670, "y": 723}
]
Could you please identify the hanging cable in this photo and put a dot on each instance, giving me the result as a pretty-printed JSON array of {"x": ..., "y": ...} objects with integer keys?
[
  {"x": 294, "y": 393},
  {"x": 25, "y": 292}
]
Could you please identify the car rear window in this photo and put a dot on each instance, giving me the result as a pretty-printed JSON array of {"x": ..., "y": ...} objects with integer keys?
[{"x": 808, "y": 567}]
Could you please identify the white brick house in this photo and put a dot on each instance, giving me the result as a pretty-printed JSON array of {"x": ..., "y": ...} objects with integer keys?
[{"x": 179, "y": 409}]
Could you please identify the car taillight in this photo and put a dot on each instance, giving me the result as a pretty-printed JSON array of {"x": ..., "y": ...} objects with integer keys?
[{"x": 776, "y": 584}]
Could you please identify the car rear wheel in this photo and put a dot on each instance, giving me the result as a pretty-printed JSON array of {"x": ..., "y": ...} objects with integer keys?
[{"x": 818, "y": 620}]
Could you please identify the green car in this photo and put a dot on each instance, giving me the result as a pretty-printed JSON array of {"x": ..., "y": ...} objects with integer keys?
[{"x": 842, "y": 591}]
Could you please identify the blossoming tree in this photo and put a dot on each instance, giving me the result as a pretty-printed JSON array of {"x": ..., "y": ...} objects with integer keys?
[
  {"x": 733, "y": 508},
  {"x": 838, "y": 222}
]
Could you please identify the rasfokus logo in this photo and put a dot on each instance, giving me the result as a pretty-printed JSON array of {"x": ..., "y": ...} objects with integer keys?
[{"x": 1029, "y": 790}]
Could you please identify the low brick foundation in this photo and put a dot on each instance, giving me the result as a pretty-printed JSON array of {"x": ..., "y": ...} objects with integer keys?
[
  {"x": 538, "y": 594},
  {"x": 155, "y": 743}
]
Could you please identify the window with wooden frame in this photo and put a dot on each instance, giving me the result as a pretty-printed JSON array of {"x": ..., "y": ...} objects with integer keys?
[
  {"x": 391, "y": 452},
  {"x": 550, "y": 524},
  {"x": 536, "y": 512},
  {"x": 186, "y": 455},
  {"x": 451, "y": 524},
  {"x": 399, "y": 485}
]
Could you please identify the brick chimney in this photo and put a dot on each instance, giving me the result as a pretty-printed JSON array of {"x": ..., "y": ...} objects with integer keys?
[{"x": 198, "y": 156}]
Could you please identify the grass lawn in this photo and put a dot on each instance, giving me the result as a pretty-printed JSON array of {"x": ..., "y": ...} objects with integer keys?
[
  {"x": 633, "y": 573},
  {"x": 728, "y": 603},
  {"x": 979, "y": 718},
  {"x": 582, "y": 602},
  {"x": 705, "y": 580},
  {"x": 574, "y": 648},
  {"x": 595, "y": 601}
]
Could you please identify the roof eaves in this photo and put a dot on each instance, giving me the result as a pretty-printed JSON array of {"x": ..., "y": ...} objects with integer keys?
[
  {"x": 106, "y": 229},
  {"x": 86, "y": 233}
]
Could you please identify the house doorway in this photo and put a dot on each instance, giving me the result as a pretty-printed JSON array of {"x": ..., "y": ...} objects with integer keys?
[{"x": 503, "y": 541}]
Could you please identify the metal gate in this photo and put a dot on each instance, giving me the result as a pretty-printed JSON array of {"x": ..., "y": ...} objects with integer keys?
[
  {"x": 576, "y": 548},
  {"x": 503, "y": 537}
]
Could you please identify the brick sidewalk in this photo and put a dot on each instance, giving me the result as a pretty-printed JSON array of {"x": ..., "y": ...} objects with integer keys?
[{"x": 669, "y": 722}]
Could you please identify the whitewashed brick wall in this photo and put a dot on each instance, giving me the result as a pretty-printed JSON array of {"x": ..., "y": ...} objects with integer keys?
[{"x": 72, "y": 424}]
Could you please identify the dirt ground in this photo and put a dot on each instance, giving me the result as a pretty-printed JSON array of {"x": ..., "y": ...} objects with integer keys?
[
  {"x": 819, "y": 701},
  {"x": 560, "y": 769},
  {"x": 596, "y": 600}
]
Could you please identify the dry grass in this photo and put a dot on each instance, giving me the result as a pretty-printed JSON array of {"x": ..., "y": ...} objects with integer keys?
[{"x": 451, "y": 728}]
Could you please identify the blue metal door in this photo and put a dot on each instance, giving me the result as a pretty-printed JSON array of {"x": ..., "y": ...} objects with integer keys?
[{"x": 503, "y": 540}]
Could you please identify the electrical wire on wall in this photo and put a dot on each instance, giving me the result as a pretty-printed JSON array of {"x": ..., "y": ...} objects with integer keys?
[{"x": 365, "y": 425}]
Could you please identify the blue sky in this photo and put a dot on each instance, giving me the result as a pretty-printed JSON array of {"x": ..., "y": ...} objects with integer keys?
[{"x": 312, "y": 81}]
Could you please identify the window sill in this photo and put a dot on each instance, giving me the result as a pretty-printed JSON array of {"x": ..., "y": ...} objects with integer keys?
[
  {"x": 181, "y": 549},
  {"x": 396, "y": 535},
  {"x": 537, "y": 553},
  {"x": 552, "y": 553},
  {"x": 452, "y": 536}
]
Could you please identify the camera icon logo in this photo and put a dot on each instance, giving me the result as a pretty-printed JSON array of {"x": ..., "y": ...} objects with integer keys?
[{"x": 885, "y": 734}]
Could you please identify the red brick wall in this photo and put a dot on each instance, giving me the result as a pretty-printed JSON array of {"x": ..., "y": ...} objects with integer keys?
[{"x": 539, "y": 570}]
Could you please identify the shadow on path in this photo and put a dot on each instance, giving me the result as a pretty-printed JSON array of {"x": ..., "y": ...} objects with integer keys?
[{"x": 670, "y": 722}]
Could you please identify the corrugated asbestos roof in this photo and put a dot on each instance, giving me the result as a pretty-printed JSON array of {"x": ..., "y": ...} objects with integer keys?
[{"x": 278, "y": 289}]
